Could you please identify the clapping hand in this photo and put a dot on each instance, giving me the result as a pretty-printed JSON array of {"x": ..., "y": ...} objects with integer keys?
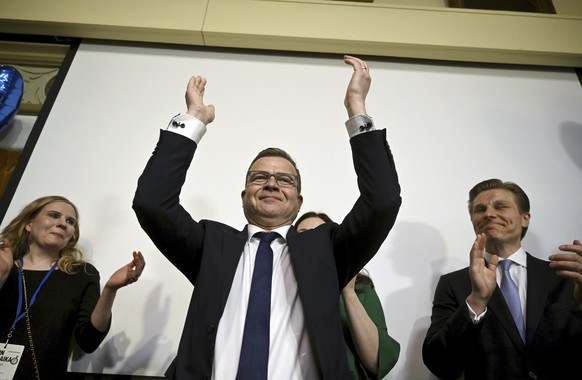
[
  {"x": 127, "y": 274},
  {"x": 569, "y": 265}
]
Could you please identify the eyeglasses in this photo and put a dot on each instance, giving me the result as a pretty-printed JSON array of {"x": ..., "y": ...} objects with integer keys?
[{"x": 259, "y": 177}]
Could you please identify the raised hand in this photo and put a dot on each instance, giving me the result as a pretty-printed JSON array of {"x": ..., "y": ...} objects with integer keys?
[
  {"x": 569, "y": 265},
  {"x": 195, "y": 100},
  {"x": 483, "y": 278},
  {"x": 6, "y": 261},
  {"x": 355, "y": 100},
  {"x": 127, "y": 274}
]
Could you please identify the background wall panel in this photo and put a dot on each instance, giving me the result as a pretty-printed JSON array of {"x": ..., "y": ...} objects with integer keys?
[{"x": 449, "y": 126}]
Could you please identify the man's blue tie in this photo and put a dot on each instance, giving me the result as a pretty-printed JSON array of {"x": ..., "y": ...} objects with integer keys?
[
  {"x": 509, "y": 290},
  {"x": 254, "y": 355}
]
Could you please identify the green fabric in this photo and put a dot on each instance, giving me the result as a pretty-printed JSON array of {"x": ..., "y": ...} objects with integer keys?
[{"x": 388, "y": 350}]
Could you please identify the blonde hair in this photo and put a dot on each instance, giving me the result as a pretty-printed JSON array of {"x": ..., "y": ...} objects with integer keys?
[{"x": 15, "y": 232}]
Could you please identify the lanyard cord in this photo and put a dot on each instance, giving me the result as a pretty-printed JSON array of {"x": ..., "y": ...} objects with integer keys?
[{"x": 19, "y": 314}]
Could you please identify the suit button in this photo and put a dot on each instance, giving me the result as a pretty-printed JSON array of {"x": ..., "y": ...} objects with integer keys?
[
  {"x": 211, "y": 328},
  {"x": 532, "y": 375}
]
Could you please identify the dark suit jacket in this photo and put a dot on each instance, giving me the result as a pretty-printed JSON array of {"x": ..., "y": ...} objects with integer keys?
[
  {"x": 208, "y": 252},
  {"x": 493, "y": 349}
]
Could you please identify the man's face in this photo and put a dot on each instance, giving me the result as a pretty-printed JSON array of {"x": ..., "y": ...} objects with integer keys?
[
  {"x": 271, "y": 205},
  {"x": 496, "y": 214}
]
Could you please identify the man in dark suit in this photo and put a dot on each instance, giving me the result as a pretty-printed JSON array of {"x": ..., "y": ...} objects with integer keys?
[
  {"x": 476, "y": 321},
  {"x": 308, "y": 270}
]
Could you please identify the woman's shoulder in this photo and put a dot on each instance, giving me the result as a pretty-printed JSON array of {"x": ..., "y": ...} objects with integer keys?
[{"x": 85, "y": 270}]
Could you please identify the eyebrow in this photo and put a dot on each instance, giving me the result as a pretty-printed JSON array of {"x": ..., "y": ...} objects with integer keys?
[{"x": 60, "y": 213}]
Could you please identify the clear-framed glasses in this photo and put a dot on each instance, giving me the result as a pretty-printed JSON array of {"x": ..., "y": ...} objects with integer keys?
[{"x": 259, "y": 177}]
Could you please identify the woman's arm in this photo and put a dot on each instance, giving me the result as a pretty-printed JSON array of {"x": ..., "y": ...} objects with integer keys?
[{"x": 125, "y": 275}]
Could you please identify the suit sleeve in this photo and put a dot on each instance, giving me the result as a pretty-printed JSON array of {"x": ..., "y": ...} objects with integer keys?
[
  {"x": 374, "y": 213},
  {"x": 451, "y": 336},
  {"x": 157, "y": 204}
]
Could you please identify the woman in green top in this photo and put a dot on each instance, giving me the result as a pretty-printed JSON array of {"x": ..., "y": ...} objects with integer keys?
[{"x": 372, "y": 353}]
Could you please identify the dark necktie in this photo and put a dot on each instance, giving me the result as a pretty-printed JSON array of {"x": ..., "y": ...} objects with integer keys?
[
  {"x": 254, "y": 355},
  {"x": 509, "y": 290}
]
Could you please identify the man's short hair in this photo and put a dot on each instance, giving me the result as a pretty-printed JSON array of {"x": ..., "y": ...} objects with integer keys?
[{"x": 277, "y": 152}]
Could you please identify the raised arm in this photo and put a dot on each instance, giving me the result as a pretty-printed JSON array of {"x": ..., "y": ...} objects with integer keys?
[
  {"x": 157, "y": 198},
  {"x": 127, "y": 274},
  {"x": 368, "y": 223}
]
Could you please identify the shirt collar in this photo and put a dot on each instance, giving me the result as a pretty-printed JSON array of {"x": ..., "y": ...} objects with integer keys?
[
  {"x": 518, "y": 257},
  {"x": 252, "y": 229}
]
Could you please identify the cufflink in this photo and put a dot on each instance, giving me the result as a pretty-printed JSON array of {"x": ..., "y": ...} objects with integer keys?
[
  {"x": 178, "y": 121},
  {"x": 366, "y": 126},
  {"x": 177, "y": 124}
]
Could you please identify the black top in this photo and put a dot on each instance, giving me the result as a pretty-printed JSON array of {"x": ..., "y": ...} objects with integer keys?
[{"x": 62, "y": 309}]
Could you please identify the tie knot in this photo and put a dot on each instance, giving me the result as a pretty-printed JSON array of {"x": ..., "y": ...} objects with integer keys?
[
  {"x": 266, "y": 237},
  {"x": 505, "y": 264}
]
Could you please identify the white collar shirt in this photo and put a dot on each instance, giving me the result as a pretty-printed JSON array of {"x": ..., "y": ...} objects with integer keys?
[
  {"x": 518, "y": 273},
  {"x": 290, "y": 353}
]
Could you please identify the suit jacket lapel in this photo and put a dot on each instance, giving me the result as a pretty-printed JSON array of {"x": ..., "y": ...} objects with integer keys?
[
  {"x": 233, "y": 246},
  {"x": 302, "y": 262},
  {"x": 540, "y": 277},
  {"x": 498, "y": 307}
]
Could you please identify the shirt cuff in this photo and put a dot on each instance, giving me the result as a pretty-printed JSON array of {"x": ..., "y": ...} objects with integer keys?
[
  {"x": 474, "y": 317},
  {"x": 360, "y": 123},
  {"x": 187, "y": 126}
]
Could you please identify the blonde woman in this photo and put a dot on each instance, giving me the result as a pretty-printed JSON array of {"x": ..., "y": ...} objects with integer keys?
[{"x": 48, "y": 293}]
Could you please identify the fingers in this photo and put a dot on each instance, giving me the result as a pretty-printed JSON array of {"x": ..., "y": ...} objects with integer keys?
[
  {"x": 568, "y": 265},
  {"x": 566, "y": 262},
  {"x": 135, "y": 267},
  {"x": 195, "y": 90},
  {"x": 478, "y": 248},
  {"x": 195, "y": 100},
  {"x": 356, "y": 63},
  {"x": 197, "y": 84},
  {"x": 355, "y": 99},
  {"x": 5, "y": 244},
  {"x": 575, "y": 247},
  {"x": 6, "y": 251}
]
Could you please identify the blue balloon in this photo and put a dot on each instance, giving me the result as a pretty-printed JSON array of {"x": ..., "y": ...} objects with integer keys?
[{"x": 11, "y": 89}]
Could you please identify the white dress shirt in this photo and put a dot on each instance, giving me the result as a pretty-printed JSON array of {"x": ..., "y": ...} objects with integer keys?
[{"x": 518, "y": 274}]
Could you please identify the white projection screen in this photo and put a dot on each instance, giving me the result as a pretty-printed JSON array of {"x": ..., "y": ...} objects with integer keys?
[{"x": 449, "y": 126}]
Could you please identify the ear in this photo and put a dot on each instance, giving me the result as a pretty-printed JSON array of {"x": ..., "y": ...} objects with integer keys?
[
  {"x": 525, "y": 217},
  {"x": 28, "y": 226},
  {"x": 299, "y": 202},
  {"x": 242, "y": 196}
]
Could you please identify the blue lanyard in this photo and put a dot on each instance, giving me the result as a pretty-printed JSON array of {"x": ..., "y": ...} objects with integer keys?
[{"x": 20, "y": 315}]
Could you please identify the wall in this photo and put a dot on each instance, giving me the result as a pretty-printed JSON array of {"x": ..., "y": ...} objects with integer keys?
[
  {"x": 411, "y": 29},
  {"x": 449, "y": 126}
]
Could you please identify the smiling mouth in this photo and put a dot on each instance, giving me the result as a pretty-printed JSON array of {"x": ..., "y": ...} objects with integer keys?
[
  {"x": 269, "y": 197},
  {"x": 491, "y": 226}
]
